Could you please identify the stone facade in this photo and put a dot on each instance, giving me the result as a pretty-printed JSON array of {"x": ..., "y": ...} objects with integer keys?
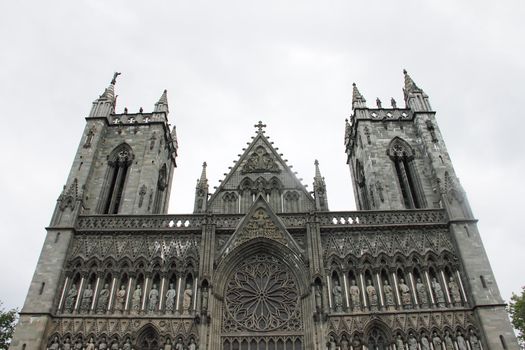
[{"x": 262, "y": 263}]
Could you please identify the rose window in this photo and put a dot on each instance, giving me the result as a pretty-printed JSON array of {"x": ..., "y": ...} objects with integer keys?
[{"x": 261, "y": 294}]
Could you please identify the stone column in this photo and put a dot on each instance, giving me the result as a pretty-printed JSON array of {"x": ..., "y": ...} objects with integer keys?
[
  {"x": 95, "y": 295},
  {"x": 396, "y": 288},
  {"x": 161, "y": 293},
  {"x": 79, "y": 296},
  {"x": 328, "y": 285},
  {"x": 111, "y": 293},
  {"x": 145, "y": 296},
  {"x": 61, "y": 302},
  {"x": 445, "y": 287},
  {"x": 346, "y": 291},
  {"x": 380, "y": 287},
  {"x": 363, "y": 290},
  {"x": 461, "y": 287},
  {"x": 178, "y": 294},
  {"x": 128, "y": 293},
  {"x": 429, "y": 287},
  {"x": 414, "y": 292}
]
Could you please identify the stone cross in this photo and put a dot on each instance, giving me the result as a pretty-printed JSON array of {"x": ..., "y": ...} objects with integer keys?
[{"x": 260, "y": 127}]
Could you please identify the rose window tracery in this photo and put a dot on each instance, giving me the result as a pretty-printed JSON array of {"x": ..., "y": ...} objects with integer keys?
[{"x": 261, "y": 294}]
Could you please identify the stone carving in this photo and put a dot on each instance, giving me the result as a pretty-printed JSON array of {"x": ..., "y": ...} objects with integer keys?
[
  {"x": 137, "y": 298},
  {"x": 260, "y": 161},
  {"x": 422, "y": 293},
  {"x": 102, "y": 345},
  {"x": 454, "y": 292},
  {"x": 331, "y": 345},
  {"x": 404, "y": 290},
  {"x": 389, "y": 295},
  {"x": 103, "y": 299},
  {"x": 204, "y": 299},
  {"x": 127, "y": 345},
  {"x": 55, "y": 344},
  {"x": 114, "y": 344},
  {"x": 449, "y": 343},
  {"x": 318, "y": 298},
  {"x": 78, "y": 344},
  {"x": 344, "y": 344},
  {"x": 192, "y": 345},
  {"x": 378, "y": 103},
  {"x": 71, "y": 298},
  {"x": 91, "y": 344},
  {"x": 167, "y": 344},
  {"x": 438, "y": 292},
  {"x": 89, "y": 137},
  {"x": 179, "y": 345},
  {"x": 436, "y": 341},
  {"x": 187, "y": 298},
  {"x": 412, "y": 342},
  {"x": 354, "y": 294},
  {"x": 170, "y": 298},
  {"x": 120, "y": 299},
  {"x": 400, "y": 345},
  {"x": 474, "y": 341},
  {"x": 462, "y": 344},
  {"x": 337, "y": 292},
  {"x": 261, "y": 294},
  {"x": 425, "y": 345},
  {"x": 260, "y": 225},
  {"x": 142, "y": 192},
  {"x": 87, "y": 296},
  {"x": 393, "y": 103},
  {"x": 153, "y": 298},
  {"x": 372, "y": 295}
]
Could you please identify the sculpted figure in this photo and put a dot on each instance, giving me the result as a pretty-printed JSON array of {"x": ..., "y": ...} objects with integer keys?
[
  {"x": 436, "y": 341},
  {"x": 378, "y": 102},
  {"x": 454, "y": 292},
  {"x": 167, "y": 344},
  {"x": 372, "y": 295},
  {"x": 345, "y": 344},
  {"x": 354, "y": 294},
  {"x": 356, "y": 343},
  {"x": 90, "y": 345},
  {"x": 412, "y": 342},
  {"x": 71, "y": 298},
  {"x": 67, "y": 344},
  {"x": 54, "y": 345},
  {"x": 449, "y": 344},
  {"x": 179, "y": 345},
  {"x": 153, "y": 298},
  {"x": 393, "y": 103},
  {"x": 474, "y": 341},
  {"x": 127, "y": 345},
  {"x": 318, "y": 298},
  {"x": 186, "y": 301},
  {"x": 102, "y": 345},
  {"x": 389, "y": 294},
  {"x": 103, "y": 298},
  {"x": 204, "y": 299},
  {"x": 137, "y": 297},
  {"x": 192, "y": 345},
  {"x": 331, "y": 343},
  {"x": 422, "y": 293},
  {"x": 405, "y": 294},
  {"x": 462, "y": 344},
  {"x": 120, "y": 299},
  {"x": 170, "y": 298},
  {"x": 425, "y": 345},
  {"x": 337, "y": 292},
  {"x": 87, "y": 296},
  {"x": 114, "y": 344},
  {"x": 78, "y": 344},
  {"x": 399, "y": 343},
  {"x": 440, "y": 297}
]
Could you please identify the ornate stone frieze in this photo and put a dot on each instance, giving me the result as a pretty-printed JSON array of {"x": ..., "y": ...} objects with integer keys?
[
  {"x": 260, "y": 225},
  {"x": 260, "y": 161}
]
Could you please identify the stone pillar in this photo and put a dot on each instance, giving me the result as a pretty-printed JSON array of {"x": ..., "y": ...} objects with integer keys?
[
  {"x": 61, "y": 302},
  {"x": 112, "y": 293},
  {"x": 396, "y": 288},
  {"x": 79, "y": 296},
  {"x": 161, "y": 293},
  {"x": 95, "y": 295},
  {"x": 145, "y": 296},
  {"x": 380, "y": 287},
  {"x": 429, "y": 287},
  {"x": 126, "y": 306},
  {"x": 414, "y": 292}
]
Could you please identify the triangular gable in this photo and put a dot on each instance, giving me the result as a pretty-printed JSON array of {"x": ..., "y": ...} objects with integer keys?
[
  {"x": 260, "y": 222},
  {"x": 260, "y": 158}
]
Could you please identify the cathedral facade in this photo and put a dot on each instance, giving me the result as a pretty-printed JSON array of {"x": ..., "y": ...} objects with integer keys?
[{"x": 262, "y": 263}]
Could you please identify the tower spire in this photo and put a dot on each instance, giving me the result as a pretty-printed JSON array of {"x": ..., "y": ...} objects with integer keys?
[
  {"x": 162, "y": 103},
  {"x": 358, "y": 101},
  {"x": 411, "y": 92},
  {"x": 321, "y": 202},
  {"x": 104, "y": 105},
  {"x": 410, "y": 86},
  {"x": 201, "y": 192}
]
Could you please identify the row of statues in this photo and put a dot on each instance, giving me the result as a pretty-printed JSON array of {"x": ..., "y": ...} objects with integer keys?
[
  {"x": 113, "y": 344},
  {"x": 136, "y": 301},
  {"x": 388, "y": 292},
  {"x": 438, "y": 343}
]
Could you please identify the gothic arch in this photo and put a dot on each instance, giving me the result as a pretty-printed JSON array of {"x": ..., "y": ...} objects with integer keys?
[
  {"x": 119, "y": 162},
  {"x": 398, "y": 148},
  {"x": 148, "y": 338}
]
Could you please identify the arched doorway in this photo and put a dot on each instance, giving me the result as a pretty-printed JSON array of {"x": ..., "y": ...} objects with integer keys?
[
  {"x": 148, "y": 339},
  {"x": 376, "y": 339}
]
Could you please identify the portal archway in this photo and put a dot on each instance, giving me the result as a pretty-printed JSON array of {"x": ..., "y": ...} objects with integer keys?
[{"x": 148, "y": 339}]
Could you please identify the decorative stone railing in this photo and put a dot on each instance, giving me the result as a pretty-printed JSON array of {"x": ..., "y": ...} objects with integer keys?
[{"x": 291, "y": 220}]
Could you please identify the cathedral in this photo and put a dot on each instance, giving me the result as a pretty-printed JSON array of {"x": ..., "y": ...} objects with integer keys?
[{"x": 262, "y": 263}]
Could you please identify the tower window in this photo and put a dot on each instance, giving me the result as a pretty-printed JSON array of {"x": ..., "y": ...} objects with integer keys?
[
  {"x": 119, "y": 163},
  {"x": 161, "y": 186}
]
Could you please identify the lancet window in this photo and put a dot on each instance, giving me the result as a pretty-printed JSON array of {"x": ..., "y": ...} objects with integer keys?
[
  {"x": 118, "y": 168},
  {"x": 160, "y": 194}
]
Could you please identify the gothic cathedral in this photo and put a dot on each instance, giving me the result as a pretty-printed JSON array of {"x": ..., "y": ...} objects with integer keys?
[{"x": 262, "y": 263}]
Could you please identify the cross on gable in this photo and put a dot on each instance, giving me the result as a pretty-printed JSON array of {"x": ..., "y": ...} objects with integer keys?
[{"x": 260, "y": 127}]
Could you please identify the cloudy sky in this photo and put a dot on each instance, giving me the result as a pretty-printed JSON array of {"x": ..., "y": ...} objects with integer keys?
[{"x": 229, "y": 64}]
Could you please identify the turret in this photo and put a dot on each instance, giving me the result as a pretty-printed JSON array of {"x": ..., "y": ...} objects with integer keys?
[
  {"x": 321, "y": 200},
  {"x": 415, "y": 98},
  {"x": 201, "y": 192}
]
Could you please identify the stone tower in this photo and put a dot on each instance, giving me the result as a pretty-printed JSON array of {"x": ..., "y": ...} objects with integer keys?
[
  {"x": 123, "y": 165},
  {"x": 262, "y": 263},
  {"x": 398, "y": 160}
]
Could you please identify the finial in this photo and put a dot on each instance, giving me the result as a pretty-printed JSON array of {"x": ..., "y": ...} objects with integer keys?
[
  {"x": 404, "y": 71},
  {"x": 260, "y": 127},
  {"x": 141, "y": 110},
  {"x": 393, "y": 103},
  {"x": 125, "y": 110},
  {"x": 378, "y": 102},
  {"x": 316, "y": 162},
  {"x": 357, "y": 99},
  {"x": 115, "y": 75}
]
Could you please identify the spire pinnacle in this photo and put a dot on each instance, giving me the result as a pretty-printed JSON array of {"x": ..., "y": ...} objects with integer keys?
[
  {"x": 162, "y": 103},
  {"x": 203, "y": 174},
  {"x": 115, "y": 75},
  {"x": 357, "y": 99},
  {"x": 410, "y": 86},
  {"x": 319, "y": 189},
  {"x": 317, "y": 171}
]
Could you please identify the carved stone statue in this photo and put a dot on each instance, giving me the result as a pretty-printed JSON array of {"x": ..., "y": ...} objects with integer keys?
[
  {"x": 78, "y": 344},
  {"x": 120, "y": 299},
  {"x": 422, "y": 293},
  {"x": 449, "y": 344},
  {"x": 186, "y": 301},
  {"x": 127, "y": 345},
  {"x": 393, "y": 103},
  {"x": 318, "y": 298},
  {"x": 474, "y": 341},
  {"x": 412, "y": 342},
  {"x": 91, "y": 344},
  {"x": 204, "y": 299},
  {"x": 337, "y": 292},
  {"x": 192, "y": 345},
  {"x": 114, "y": 344},
  {"x": 378, "y": 102},
  {"x": 71, "y": 298},
  {"x": 454, "y": 292},
  {"x": 153, "y": 298},
  {"x": 356, "y": 342},
  {"x": 87, "y": 296},
  {"x": 103, "y": 298},
  {"x": 167, "y": 344},
  {"x": 137, "y": 298},
  {"x": 405, "y": 294},
  {"x": 331, "y": 345},
  {"x": 436, "y": 341},
  {"x": 400, "y": 345},
  {"x": 389, "y": 294},
  {"x": 354, "y": 294},
  {"x": 67, "y": 344},
  {"x": 102, "y": 345},
  {"x": 372, "y": 295},
  {"x": 425, "y": 345},
  {"x": 462, "y": 344},
  {"x": 179, "y": 345},
  {"x": 440, "y": 297},
  {"x": 54, "y": 344},
  {"x": 345, "y": 344},
  {"x": 170, "y": 298}
]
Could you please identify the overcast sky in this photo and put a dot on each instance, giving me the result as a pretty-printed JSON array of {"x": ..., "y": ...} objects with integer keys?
[{"x": 229, "y": 64}]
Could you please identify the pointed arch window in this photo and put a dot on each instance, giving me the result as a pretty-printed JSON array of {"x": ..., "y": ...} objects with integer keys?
[
  {"x": 403, "y": 157},
  {"x": 362, "y": 196},
  {"x": 161, "y": 186},
  {"x": 119, "y": 163}
]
